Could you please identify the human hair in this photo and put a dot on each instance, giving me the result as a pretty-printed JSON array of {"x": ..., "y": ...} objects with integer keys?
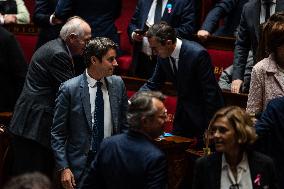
[
  {"x": 72, "y": 26},
  {"x": 141, "y": 105},
  {"x": 240, "y": 121},
  {"x": 272, "y": 35},
  {"x": 34, "y": 180},
  {"x": 98, "y": 47},
  {"x": 162, "y": 32}
]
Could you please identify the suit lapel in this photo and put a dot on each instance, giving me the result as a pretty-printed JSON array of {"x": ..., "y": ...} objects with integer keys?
[
  {"x": 214, "y": 167},
  {"x": 256, "y": 18},
  {"x": 85, "y": 98},
  {"x": 253, "y": 166},
  {"x": 113, "y": 103},
  {"x": 146, "y": 12}
]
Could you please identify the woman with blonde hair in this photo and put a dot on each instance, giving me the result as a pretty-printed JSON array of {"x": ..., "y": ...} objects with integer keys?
[{"x": 233, "y": 165}]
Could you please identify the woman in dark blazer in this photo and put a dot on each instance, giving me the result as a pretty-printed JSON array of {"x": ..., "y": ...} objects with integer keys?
[{"x": 233, "y": 165}]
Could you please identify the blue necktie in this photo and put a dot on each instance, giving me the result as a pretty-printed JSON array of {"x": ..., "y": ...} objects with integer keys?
[
  {"x": 158, "y": 12},
  {"x": 173, "y": 62},
  {"x": 98, "y": 128}
]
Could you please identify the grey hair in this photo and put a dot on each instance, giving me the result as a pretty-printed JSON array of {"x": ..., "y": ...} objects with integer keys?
[
  {"x": 141, "y": 105},
  {"x": 72, "y": 26}
]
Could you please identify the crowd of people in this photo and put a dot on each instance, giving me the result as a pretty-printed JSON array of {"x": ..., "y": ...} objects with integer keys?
[{"x": 72, "y": 120}]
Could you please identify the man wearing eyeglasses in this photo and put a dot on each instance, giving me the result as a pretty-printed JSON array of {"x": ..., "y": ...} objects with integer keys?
[
  {"x": 89, "y": 107},
  {"x": 51, "y": 65}
]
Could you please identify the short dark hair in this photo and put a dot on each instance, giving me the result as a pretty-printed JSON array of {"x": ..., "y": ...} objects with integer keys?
[
  {"x": 162, "y": 32},
  {"x": 34, "y": 180},
  {"x": 141, "y": 104},
  {"x": 98, "y": 47}
]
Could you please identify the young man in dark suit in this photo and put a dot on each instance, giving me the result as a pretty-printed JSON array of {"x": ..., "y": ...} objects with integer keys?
[
  {"x": 187, "y": 64},
  {"x": 132, "y": 160},
  {"x": 32, "y": 118},
  {"x": 179, "y": 14},
  {"x": 88, "y": 108}
]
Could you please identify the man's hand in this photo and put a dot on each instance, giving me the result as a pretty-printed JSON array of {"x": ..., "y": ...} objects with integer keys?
[
  {"x": 236, "y": 86},
  {"x": 67, "y": 179},
  {"x": 137, "y": 37},
  {"x": 203, "y": 35},
  {"x": 10, "y": 19}
]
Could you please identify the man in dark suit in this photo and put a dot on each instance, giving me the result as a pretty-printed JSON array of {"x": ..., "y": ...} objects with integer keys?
[
  {"x": 231, "y": 11},
  {"x": 253, "y": 15},
  {"x": 131, "y": 160},
  {"x": 44, "y": 18},
  {"x": 13, "y": 69},
  {"x": 77, "y": 128},
  {"x": 100, "y": 14},
  {"x": 188, "y": 66},
  {"x": 32, "y": 119},
  {"x": 177, "y": 13},
  {"x": 270, "y": 129}
]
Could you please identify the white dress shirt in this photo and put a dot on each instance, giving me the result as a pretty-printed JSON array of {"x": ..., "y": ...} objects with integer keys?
[
  {"x": 107, "y": 111},
  {"x": 243, "y": 177}
]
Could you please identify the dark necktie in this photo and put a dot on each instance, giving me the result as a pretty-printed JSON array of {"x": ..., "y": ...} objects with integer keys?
[
  {"x": 267, "y": 4},
  {"x": 98, "y": 128},
  {"x": 173, "y": 62},
  {"x": 158, "y": 12}
]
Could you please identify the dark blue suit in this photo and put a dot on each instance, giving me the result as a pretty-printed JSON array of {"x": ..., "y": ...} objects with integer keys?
[
  {"x": 71, "y": 133},
  {"x": 270, "y": 128},
  {"x": 199, "y": 95},
  {"x": 100, "y": 14},
  {"x": 248, "y": 35},
  {"x": 128, "y": 161},
  {"x": 181, "y": 18},
  {"x": 230, "y": 10},
  {"x": 43, "y": 10}
]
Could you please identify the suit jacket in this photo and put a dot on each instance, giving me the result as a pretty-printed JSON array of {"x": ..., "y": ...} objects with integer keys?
[
  {"x": 72, "y": 126},
  {"x": 50, "y": 66},
  {"x": 13, "y": 69},
  {"x": 199, "y": 95},
  {"x": 231, "y": 11},
  {"x": 181, "y": 18},
  {"x": 248, "y": 35},
  {"x": 42, "y": 12},
  {"x": 267, "y": 82},
  {"x": 128, "y": 161},
  {"x": 100, "y": 14},
  {"x": 270, "y": 129},
  {"x": 207, "y": 172}
]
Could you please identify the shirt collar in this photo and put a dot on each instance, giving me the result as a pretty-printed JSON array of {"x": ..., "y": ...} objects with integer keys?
[
  {"x": 242, "y": 165},
  {"x": 175, "y": 53},
  {"x": 92, "y": 82}
]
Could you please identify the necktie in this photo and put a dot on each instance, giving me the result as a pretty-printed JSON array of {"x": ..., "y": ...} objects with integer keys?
[
  {"x": 98, "y": 128},
  {"x": 158, "y": 12},
  {"x": 267, "y": 4},
  {"x": 173, "y": 61}
]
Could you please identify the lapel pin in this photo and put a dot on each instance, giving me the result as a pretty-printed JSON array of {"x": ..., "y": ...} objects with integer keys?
[{"x": 169, "y": 7}]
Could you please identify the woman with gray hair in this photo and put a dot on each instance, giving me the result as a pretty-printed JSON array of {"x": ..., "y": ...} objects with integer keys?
[{"x": 233, "y": 165}]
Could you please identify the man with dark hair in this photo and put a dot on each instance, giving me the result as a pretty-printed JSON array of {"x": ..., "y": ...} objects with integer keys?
[
  {"x": 32, "y": 118},
  {"x": 179, "y": 14},
  {"x": 131, "y": 160},
  {"x": 88, "y": 108},
  {"x": 188, "y": 66}
]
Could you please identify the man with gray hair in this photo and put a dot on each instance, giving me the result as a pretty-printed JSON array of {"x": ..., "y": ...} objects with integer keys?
[
  {"x": 131, "y": 160},
  {"x": 50, "y": 65}
]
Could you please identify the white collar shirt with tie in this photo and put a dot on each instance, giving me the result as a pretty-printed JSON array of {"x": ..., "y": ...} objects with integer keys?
[
  {"x": 107, "y": 111},
  {"x": 175, "y": 53},
  {"x": 263, "y": 10}
]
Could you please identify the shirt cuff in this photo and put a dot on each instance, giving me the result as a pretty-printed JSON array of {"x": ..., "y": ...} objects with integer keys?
[
  {"x": 2, "y": 19},
  {"x": 50, "y": 19}
]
